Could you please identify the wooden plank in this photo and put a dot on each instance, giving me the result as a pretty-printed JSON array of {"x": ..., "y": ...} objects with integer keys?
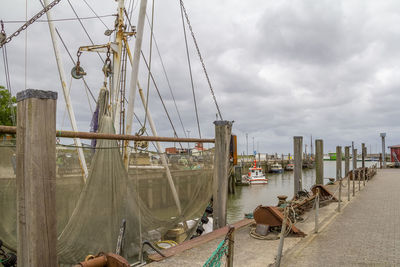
[
  {"x": 36, "y": 178},
  {"x": 199, "y": 240}
]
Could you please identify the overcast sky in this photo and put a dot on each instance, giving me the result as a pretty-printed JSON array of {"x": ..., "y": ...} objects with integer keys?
[{"x": 278, "y": 68}]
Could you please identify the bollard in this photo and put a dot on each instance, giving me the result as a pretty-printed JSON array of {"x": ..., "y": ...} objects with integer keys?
[
  {"x": 316, "y": 211},
  {"x": 282, "y": 237}
]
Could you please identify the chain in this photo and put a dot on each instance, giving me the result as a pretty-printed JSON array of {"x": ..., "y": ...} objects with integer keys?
[
  {"x": 201, "y": 58},
  {"x": 29, "y": 22}
]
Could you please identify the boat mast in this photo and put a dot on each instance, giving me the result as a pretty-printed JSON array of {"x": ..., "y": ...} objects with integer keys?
[
  {"x": 134, "y": 77},
  {"x": 67, "y": 98},
  {"x": 119, "y": 35}
]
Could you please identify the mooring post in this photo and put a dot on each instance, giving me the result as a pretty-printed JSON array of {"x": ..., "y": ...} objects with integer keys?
[
  {"x": 347, "y": 169},
  {"x": 383, "y": 135},
  {"x": 363, "y": 151},
  {"x": 316, "y": 210},
  {"x": 354, "y": 170},
  {"x": 339, "y": 173},
  {"x": 223, "y": 131},
  {"x": 338, "y": 163},
  {"x": 36, "y": 178},
  {"x": 380, "y": 161},
  {"x": 319, "y": 161},
  {"x": 298, "y": 163}
]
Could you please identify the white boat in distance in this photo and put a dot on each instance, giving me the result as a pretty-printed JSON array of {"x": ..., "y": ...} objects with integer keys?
[{"x": 255, "y": 175}]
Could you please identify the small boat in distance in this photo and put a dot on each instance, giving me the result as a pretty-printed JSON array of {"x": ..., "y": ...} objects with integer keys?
[
  {"x": 289, "y": 167},
  {"x": 255, "y": 175},
  {"x": 276, "y": 168}
]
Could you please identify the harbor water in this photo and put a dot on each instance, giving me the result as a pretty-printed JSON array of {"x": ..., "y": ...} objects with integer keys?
[{"x": 247, "y": 198}]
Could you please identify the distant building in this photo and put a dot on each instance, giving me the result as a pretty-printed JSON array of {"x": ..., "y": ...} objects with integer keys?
[{"x": 395, "y": 153}]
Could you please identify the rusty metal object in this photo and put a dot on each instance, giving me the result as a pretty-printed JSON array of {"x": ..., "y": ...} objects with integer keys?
[
  {"x": 85, "y": 135},
  {"x": 105, "y": 260},
  {"x": 324, "y": 193},
  {"x": 282, "y": 200},
  {"x": 272, "y": 216}
]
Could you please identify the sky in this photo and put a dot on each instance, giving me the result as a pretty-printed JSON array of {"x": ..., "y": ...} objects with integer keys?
[{"x": 278, "y": 68}]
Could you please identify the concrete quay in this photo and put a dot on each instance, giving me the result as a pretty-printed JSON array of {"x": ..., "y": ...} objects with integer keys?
[
  {"x": 366, "y": 233},
  {"x": 253, "y": 252}
]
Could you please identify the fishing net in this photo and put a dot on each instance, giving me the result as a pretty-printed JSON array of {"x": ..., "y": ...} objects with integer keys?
[{"x": 89, "y": 214}]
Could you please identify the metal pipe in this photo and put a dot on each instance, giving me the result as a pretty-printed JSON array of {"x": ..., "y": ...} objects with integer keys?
[
  {"x": 134, "y": 75},
  {"x": 67, "y": 98},
  {"x": 86, "y": 135}
]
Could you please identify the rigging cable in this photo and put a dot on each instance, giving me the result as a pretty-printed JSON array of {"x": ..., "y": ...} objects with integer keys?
[
  {"x": 158, "y": 92},
  {"x": 55, "y": 20},
  {"x": 83, "y": 27},
  {"x": 73, "y": 61},
  {"x": 190, "y": 72},
  {"x": 166, "y": 77},
  {"x": 201, "y": 58},
  {"x": 150, "y": 58},
  {"x": 94, "y": 12}
]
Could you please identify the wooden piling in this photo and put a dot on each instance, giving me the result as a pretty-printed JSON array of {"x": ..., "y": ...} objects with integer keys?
[
  {"x": 36, "y": 178},
  {"x": 363, "y": 151},
  {"x": 383, "y": 135},
  {"x": 223, "y": 131},
  {"x": 354, "y": 168},
  {"x": 347, "y": 169},
  {"x": 338, "y": 163},
  {"x": 298, "y": 163},
  {"x": 319, "y": 161}
]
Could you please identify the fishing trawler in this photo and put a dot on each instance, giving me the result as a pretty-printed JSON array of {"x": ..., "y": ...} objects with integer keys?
[{"x": 255, "y": 175}]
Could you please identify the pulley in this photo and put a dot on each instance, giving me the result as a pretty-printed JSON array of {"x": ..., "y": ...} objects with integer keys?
[{"x": 77, "y": 72}]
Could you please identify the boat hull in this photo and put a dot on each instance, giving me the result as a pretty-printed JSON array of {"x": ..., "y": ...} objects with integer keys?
[
  {"x": 258, "y": 181},
  {"x": 276, "y": 170}
]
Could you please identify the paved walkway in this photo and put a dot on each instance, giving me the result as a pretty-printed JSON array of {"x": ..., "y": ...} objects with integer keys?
[{"x": 366, "y": 233}]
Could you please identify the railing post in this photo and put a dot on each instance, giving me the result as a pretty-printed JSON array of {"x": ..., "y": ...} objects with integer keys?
[
  {"x": 231, "y": 246},
  {"x": 223, "y": 131},
  {"x": 319, "y": 161},
  {"x": 316, "y": 211},
  {"x": 298, "y": 163},
  {"x": 282, "y": 237},
  {"x": 36, "y": 178},
  {"x": 347, "y": 169}
]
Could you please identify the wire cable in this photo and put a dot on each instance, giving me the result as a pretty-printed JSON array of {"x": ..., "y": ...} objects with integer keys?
[
  {"x": 190, "y": 72},
  {"x": 94, "y": 12},
  {"x": 55, "y": 20}
]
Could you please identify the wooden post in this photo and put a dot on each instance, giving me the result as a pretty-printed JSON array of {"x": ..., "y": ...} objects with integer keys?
[
  {"x": 319, "y": 161},
  {"x": 223, "y": 131},
  {"x": 354, "y": 168},
  {"x": 36, "y": 178},
  {"x": 347, "y": 169},
  {"x": 383, "y": 135},
  {"x": 338, "y": 163},
  {"x": 363, "y": 150},
  {"x": 380, "y": 160},
  {"x": 231, "y": 246},
  {"x": 298, "y": 163}
]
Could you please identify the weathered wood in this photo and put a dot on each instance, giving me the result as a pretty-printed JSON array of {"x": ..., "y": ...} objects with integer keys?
[
  {"x": 319, "y": 161},
  {"x": 363, "y": 153},
  {"x": 231, "y": 246},
  {"x": 298, "y": 163},
  {"x": 383, "y": 135},
  {"x": 338, "y": 163},
  {"x": 354, "y": 168},
  {"x": 347, "y": 169},
  {"x": 221, "y": 171},
  {"x": 36, "y": 178}
]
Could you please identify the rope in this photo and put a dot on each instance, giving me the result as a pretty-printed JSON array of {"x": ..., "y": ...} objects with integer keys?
[
  {"x": 96, "y": 16},
  {"x": 190, "y": 72},
  {"x": 201, "y": 58}
]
